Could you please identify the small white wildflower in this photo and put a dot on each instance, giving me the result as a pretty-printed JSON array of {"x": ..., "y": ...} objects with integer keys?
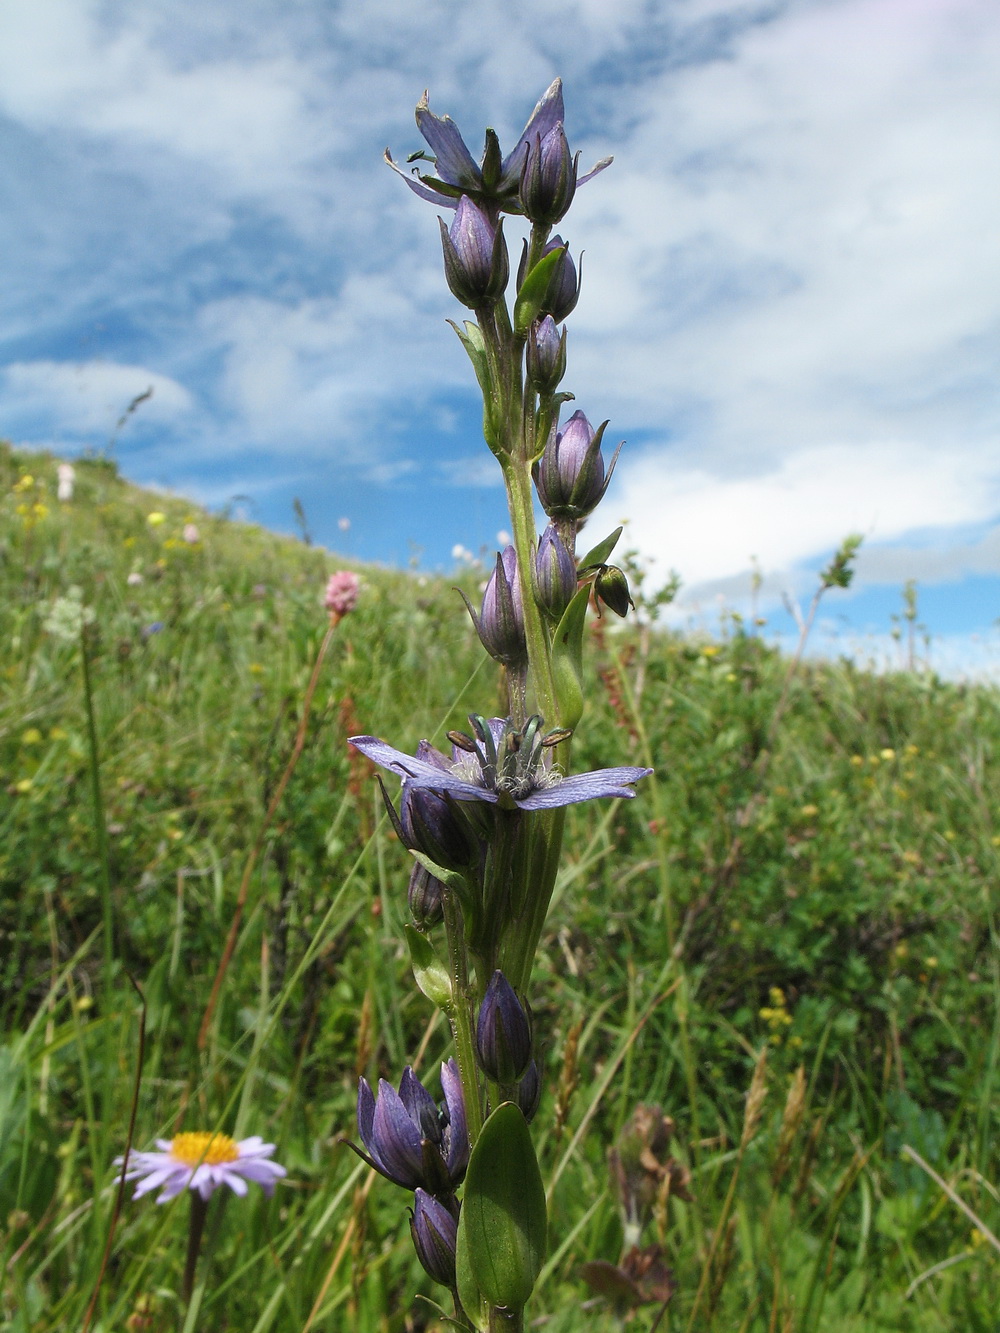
[
  {"x": 67, "y": 476},
  {"x": 68, "y": 615}
]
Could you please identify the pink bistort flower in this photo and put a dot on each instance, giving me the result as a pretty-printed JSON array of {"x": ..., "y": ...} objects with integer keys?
[
  {"x": 341, "y": 593},
  {"x": 201, "y": 1161}
]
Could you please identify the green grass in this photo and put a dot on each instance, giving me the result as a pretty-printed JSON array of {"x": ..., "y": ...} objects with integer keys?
[{"x": 830, "y": 898}]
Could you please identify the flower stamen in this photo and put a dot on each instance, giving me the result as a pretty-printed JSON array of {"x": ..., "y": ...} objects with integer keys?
[{"x": 198, "y": 1146}]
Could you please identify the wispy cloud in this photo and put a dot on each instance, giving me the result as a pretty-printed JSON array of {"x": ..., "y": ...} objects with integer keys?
[{"x": 81, "y": 398}]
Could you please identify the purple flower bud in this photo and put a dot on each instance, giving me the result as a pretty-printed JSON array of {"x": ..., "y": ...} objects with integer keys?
[
  {"x": 529, "y": 1092},
  {"x": 555, "y": 574},
  {"x": 435, "y": 1232},
  {"x": 475, "y": 256},
  {"x": 503, "y": 1033},
  {"x": 500, "y": 624},
  {"x": 548, "y": 180},
  {"x": 570, "y": 473},
  {"x": 564, "y": 286},
  {"x": 424, "y": 896},
  {"x": 411, "y": 1141},
  {"x": 611, "y": 588},
  {"x": 432, "y": 823},
  {"x": 545, "y": 355}
]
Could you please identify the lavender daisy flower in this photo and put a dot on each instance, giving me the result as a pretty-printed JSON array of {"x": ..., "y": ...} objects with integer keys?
[
  {"x": 411, "y": 1141},
  {"x": 503, "y": 764},
  {"x": 202, "y": 1162}
]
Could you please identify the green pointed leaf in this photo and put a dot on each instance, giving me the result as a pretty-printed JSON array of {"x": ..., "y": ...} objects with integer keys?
[
  {"x": 503, "y": 1210},
  {"x": 471, "y": 338},
  {"x": 429, "y": 972},
  {"x": 599, "y": 555},
  {"x": 532, "y": 293},
  {"x": 452, "y": 878}
]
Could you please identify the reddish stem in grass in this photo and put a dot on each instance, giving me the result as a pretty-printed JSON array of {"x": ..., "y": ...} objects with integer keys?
[
  {"x": 196, "y": 1229},
  {"x": 241, "y": 897}
]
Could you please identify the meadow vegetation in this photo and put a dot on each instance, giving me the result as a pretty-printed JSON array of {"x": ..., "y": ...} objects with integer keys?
[{"x": 787, "y": 943}]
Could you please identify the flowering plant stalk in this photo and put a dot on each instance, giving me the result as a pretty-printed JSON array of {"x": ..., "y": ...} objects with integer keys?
[{"x": 485, "y": 823}]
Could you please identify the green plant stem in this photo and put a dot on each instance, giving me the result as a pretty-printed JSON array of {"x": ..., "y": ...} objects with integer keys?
[
  {"x": 522, "y": 516},
  {"x": 542, "y": 866},
  {"x": 460, "y": 1013},
  {"x": 196, "y": 1229},
  {"x": 97, "y": 800}
]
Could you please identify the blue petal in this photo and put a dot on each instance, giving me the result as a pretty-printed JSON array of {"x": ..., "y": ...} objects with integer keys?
[
  {"x": 454, "y": 162},
  {"x": 419, "y": 772},
  {"x": 397, "y": 1137},
  {"x": 457, "y": 1157},
  {"x": 594, "y": 171},
  {"x": 546, "y": 115},
  {"x": 397, "y": 761},
  {"x": 429, "y": 755},
  {"x": 366, "y": 1117},
  {"x": 614, "y": 782},
  {"x": 432, "y": 196},
  {"x": 419, "y": 1105}
]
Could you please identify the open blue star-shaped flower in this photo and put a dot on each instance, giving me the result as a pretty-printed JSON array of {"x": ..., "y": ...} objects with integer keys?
[
  {"x": 501, "y": 764},
  {"x": 495, "y": 182}
]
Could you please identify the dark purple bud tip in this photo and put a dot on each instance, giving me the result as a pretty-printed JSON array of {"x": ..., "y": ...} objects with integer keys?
[
  {"x": 503, "y": 1033},
  {"x": 500, "y": 623},
  {"x": 563, "y": 290},
  {"x": 475, "y": 256},
  {"x": 555, "y": 573},
  {"x": 435, "y": 1233},
  {"x": 424, "y": 897},
  {"x": 570, "y": 475},
  {"x": 548, "y": 181},
  {"x": 545, "y": 356},
  {"x": 433, "y": 824},
  {"x": 529, "y": 1092}
]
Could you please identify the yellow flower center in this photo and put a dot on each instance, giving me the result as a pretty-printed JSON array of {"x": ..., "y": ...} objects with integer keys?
[{"x": 192, "y": 1149}]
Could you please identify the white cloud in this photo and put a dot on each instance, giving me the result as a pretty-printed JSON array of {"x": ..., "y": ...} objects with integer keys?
[
  {"x": 710, "y": 526},
  {"x": 86, "y": 396},
  {"x": 349, "y": 370},
  {"x": 795, "y": 281}
]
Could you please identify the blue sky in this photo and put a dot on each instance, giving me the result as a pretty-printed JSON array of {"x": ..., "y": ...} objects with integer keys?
[{"x": 791, "y": 301}]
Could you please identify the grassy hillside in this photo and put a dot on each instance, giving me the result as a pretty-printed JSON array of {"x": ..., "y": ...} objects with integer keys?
[{"x": 807, "y": 889}]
